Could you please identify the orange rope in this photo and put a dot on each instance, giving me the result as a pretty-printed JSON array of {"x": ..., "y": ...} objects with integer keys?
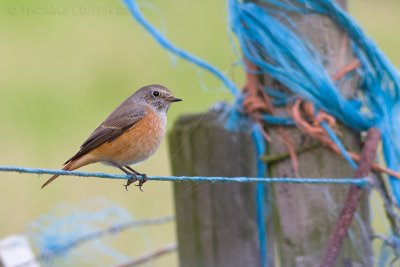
[
  {"x": 307, "y": 121},
  {"x": 303, "y": 113},
  {"x": 256, "y": 102},
  {"x": 346, "y": 69}
]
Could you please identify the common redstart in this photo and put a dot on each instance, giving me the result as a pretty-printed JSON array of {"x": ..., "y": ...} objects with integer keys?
[{"x": 129, "y": 135}]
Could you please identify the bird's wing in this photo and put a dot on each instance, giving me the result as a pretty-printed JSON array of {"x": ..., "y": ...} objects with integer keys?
[{"x": 116, "y": 124}]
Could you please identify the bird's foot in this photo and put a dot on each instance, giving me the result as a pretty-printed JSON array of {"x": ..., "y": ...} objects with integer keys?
[
  {"x": 131, "y": 181},
  {"x": 142, "y": 181},
  {"x": 135, "y": 178}
]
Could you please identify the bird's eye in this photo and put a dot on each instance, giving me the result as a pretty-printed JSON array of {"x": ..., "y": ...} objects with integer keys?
[{"x": 156, "y": 93}]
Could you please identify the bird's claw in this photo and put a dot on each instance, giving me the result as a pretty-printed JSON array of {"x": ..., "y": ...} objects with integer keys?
[
  {"x": 134, "y": 179},
  {"x": 142, "y": 181},
  {"x": 130, "y": 181}
]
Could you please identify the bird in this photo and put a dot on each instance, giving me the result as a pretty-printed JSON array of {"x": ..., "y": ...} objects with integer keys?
[{"x": 129, "y": 135}]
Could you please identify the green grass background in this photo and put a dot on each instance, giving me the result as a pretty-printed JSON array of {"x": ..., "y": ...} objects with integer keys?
[{"x": 61, "y": 74}]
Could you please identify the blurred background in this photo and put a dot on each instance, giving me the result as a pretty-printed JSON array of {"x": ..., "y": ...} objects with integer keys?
[{"x": 64, "y": 65}]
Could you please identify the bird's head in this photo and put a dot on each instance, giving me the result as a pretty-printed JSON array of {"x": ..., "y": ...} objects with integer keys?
[{"x": 156, "y": 96}]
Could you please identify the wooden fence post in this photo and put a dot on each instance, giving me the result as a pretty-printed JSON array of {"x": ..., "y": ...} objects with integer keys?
[
  {"x": 216, "y": 223},
  {"x": 304, "y": 214}
]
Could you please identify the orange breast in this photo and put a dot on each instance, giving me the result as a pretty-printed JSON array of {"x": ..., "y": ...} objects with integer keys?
[{"x": 137, "y": 143}]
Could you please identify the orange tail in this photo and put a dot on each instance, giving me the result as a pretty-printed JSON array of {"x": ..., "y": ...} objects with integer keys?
[{"x": 69, "y": 167}]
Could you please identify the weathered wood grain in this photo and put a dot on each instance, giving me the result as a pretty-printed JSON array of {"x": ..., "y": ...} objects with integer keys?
[{"x": 216, "y": 223}]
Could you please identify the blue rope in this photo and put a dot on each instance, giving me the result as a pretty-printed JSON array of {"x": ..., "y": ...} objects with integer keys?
[
  {"x": 334, "y": 181},
  {"x": 275, "y": 120},
  {"x": 112, "y": 230},
  {"x": 339, "y": 144},
  {"x": 134, "y": 10},
  {"x": 260, "y": 194},
  {"x": 291, "y": 60},
  {"x": 270, "y": 40}
]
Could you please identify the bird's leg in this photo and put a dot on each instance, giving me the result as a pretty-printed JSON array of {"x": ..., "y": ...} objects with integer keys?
[
  {"x": 121, "y": 168},
  {"x": 141, "y": 181},
  {"x": 130, "y": 172}
]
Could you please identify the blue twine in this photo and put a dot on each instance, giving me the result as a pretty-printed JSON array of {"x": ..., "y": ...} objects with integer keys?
[
  {"x": 55, "y": 234},
  {"x": 269, "y": 40},
  {"x": 63, "y": 248},
  {"x": 260, "y": 194},
  {"x": 291, "y": 60},
  {"x": 339, "y": 144},
  {"x": 63, "y": 234},
  {"x": 134, "y": 10},
  {"x": 275, "y": 93},
  {"x": 278, "y": 99},
  {"x": 275, "y": 120},
  {"x": 334, "y": 181}
]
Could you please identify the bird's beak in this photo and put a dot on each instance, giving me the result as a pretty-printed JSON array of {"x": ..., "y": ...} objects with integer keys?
[{"x": 174, "y": 99}]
